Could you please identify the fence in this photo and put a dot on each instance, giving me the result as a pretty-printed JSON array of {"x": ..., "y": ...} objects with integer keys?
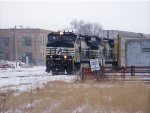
[{"x": 140, "y": 72}]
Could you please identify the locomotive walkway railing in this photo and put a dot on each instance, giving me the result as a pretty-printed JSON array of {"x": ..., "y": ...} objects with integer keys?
[
  {"x": 59, "y": 51},
  {"x": 123, "y": 73}
]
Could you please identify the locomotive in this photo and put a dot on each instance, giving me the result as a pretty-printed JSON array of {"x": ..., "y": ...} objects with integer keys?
[
  {"x": 66, "y": 52},
  {"x": 60, "y": 52}
]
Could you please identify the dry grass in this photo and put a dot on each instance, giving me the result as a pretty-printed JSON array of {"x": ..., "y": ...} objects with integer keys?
[{"x": 87, "y": 97}]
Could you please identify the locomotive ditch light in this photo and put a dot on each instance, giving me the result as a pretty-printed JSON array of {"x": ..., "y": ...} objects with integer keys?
[{"x": 51, "y": 56}]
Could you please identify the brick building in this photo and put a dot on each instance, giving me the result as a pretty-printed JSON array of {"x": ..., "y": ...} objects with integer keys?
[
  {"x": 22, "y": 43},
  {"x": 18, "y": 44}
]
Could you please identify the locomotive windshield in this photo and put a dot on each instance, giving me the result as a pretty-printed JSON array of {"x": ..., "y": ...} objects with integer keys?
[{"x": 66, "y": 39}]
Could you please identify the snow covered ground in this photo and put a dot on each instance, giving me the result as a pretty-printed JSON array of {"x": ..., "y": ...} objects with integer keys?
[{"x": 25, "y": 79}]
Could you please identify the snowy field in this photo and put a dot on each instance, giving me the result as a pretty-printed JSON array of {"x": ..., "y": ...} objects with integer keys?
[
  {"x": 25, "y": 79},
  {"x": 58, "y": 97}
]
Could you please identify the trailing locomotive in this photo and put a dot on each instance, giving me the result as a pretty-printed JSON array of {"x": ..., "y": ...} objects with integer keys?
[{"x": 66, "y": 51}]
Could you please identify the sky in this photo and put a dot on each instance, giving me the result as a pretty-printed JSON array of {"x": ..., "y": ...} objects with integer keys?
[{"x": 133, "y": 16}]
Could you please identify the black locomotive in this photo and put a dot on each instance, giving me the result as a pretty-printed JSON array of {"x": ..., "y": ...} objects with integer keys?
[{"x": 67, "y": 51}]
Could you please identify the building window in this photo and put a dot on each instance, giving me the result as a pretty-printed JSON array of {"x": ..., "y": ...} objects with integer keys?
[
  {"x": 27, "y": 41},
  {"x": 145, "y": 49},
  {"x": 4, "y": 56},
  {"x": 27, "y": 54},
  {"x": 4, "y": 41}
]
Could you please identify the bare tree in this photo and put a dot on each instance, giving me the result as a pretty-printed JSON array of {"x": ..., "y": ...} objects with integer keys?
[{"x": 86, "y": 28}]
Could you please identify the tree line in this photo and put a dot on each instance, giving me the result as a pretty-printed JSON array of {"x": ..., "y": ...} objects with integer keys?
[{"x": 86, "y": 28}]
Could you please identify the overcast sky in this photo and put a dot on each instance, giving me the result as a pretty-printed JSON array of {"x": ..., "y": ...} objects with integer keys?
[{"x": 128, "y": 15}]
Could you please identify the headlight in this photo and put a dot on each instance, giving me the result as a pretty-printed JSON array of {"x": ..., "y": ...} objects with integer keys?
[
  {"x": 65, "y": 56},
  {"x": 61, "y": 33}
]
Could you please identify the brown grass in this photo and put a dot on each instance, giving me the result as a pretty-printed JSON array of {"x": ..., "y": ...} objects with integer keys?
[{"x": 87, "y": 97}]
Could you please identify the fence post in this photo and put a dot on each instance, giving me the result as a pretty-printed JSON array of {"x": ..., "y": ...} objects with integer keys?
[
  {"x": 123, "y": 72},
  {"x": 132, "y": 72},
  {"x": 96, "y": 74},
  {"x": 102, "y": 73},
  {"x": 82, "y": 73}
]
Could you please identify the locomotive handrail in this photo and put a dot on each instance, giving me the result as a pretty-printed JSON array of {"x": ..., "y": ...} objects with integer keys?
[{"x": 64, "y": 50}]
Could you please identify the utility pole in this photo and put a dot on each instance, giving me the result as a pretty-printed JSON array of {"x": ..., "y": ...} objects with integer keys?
[
  {"x": 80, "y": 51},
  {"x": 15, "y": 43}
]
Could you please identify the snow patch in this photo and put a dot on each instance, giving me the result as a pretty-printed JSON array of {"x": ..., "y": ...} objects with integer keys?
[{"x": 27, "y": 79}]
